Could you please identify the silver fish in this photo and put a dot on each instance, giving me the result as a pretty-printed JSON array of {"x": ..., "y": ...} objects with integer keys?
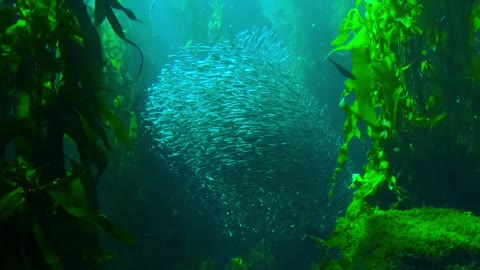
[{"x": 234, "y": 120}]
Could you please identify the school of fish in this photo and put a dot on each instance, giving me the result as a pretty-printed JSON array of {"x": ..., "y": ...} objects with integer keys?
[{"x": 256, "y": 146}]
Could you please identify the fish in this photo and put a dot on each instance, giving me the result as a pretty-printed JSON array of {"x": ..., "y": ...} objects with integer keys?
[
  {"x": 189, "y": 42},
  {"x": 234, "y": 120},
  {"x": 345, "y": 72}
]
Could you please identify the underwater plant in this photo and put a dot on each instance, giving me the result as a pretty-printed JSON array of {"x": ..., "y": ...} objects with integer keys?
[
  {"x": 51, "y": 96},
  {"x": 416, "y": 69}
]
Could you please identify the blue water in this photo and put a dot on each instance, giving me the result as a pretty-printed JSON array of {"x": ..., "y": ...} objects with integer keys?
[{"x": 148, "y": 199}]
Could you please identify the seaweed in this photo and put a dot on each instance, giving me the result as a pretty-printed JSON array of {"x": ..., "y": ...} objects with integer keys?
[
  {"x": 416, "y": 66},
  {"x": 51, "y": 91}
]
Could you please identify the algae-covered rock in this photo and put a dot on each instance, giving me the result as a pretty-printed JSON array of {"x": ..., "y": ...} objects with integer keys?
[{"x": 423, "y": 238}]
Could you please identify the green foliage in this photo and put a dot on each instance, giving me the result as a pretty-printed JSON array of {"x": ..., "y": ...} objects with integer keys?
[
  {"x": 393, "y": 239},
  {"x": 31, "y": 202},
  {"x": 123, "y": 95},
  {"x": 401, "y": 56},
  {"x": 114, "y": 50},
  {"x": 380, "y": 91},
  {"x": 400, "y": 93},
  {"x": 51, "y": 70},
  {"x": 104, "y": 10}
]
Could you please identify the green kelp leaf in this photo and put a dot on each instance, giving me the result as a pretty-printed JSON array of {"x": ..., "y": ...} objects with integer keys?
[
  {"x": 358, "y": 109},
  {"x": 89, "y": 127},
  {"x": 391, "y": 81},
  {"x": 5, "y": 49},
  {"x": 119, "y": 128},
  {"x": 396, "y": 99},
  {"x": 351, "y": 131},
  {"x": 360, "y": 39},
  {"x": 91, "y": 152},
  {"x": 133, "y": 127},
  {"x": 117, "y": 28},
  {"x": 343, "y": 155},
  {"x": 76, "y": 38},
  {"x": 356, "y": 21},
  {"x": 52, "y": 15},
  {"x": 362, "y": 71},
  {"x": 350, "y": 127},
  {"x": 352, "y": 22},
  {"x": 13, "y": 30},
  {"x": 434, "y": 121},
  {"x": 42, "y": 7},
  {"x": 23, "y": 108},
  {"x": 397, "y": 9},
  {"x": 45, "y": 247},
  {"x": 103, "y": 222},
  {"x": 340, "y": 39},
  {"x": 70, "y": 192},
  {"x": 52, "y": 21},
  {"x": 93, "y": 126},
  {"x": 475, "y": 17},
  {"x": 9, "y": 203}
]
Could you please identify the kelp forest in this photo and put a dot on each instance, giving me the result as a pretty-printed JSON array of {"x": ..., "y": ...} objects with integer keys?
[
  {"x": 68, "y": 112},
  {"x": 53, "y": 98},
  {"x": 415, "y": 98}
]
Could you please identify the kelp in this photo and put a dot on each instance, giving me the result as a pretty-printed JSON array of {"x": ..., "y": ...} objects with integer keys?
[
  {"x": 123, "y": 96},
  {"x": 63, "y": 194},
  {"x": 104, "y": 10},
  {"x": 380, "y": 90},
  {"x": 416, "y": 64},
  {"x": 52, "y": 91}
]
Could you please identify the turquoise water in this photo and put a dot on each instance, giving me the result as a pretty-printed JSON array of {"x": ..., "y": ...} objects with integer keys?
[{"x": 236, "y": 150}]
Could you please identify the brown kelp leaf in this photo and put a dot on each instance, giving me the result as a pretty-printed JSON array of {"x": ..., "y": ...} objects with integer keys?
[
  {"x": 93, "y": 125},
  {"x": 102, "y": 221},
  {"x": 345, "y": 72},
  {"x": 90, "y": 151},
  {"x": 99, "y": 14},
  {"x": 117, "y": 28},
  {"x": 45, "y": 246},
  {"x": 93, "y": 154},
  {"x": 116, "y": 5}
]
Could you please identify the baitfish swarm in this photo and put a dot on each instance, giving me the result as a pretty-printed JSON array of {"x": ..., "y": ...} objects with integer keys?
[{"x": 255, "y": 146}]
